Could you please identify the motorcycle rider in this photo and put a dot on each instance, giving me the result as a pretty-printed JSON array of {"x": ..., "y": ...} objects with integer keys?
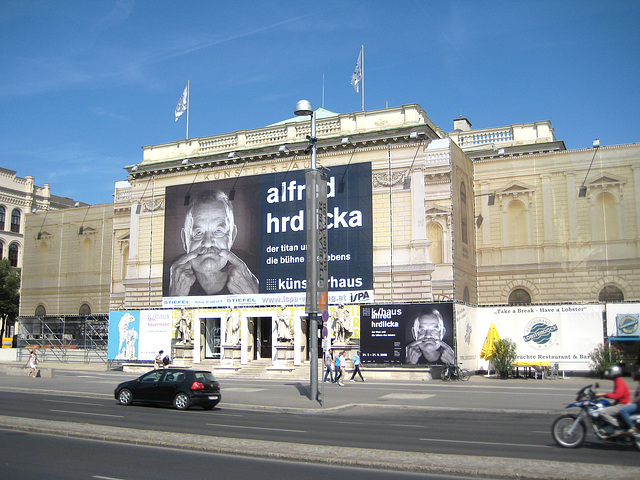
[
  {"x": 628, "y": 410},
  {"x": 620, "y": 395}
]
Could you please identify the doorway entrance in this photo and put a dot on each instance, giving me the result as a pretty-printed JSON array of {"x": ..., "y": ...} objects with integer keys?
[
  {"x": 211, "y": 334},
  {"x": 262, "y": 336}
]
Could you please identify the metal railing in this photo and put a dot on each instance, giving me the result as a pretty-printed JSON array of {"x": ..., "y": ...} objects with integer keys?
[{"x": 65, "y": 338}]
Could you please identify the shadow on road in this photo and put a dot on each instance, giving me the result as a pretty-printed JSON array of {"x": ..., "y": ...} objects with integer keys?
[{"x": 303, "y": 390}]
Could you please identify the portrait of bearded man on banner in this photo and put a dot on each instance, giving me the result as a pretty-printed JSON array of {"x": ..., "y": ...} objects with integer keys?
[
  {"x": 205, "y": 263},
  {"x": 428, "y": 332}
]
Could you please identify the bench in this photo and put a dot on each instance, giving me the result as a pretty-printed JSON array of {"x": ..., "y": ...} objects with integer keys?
[{"x": 137, "y": 367}]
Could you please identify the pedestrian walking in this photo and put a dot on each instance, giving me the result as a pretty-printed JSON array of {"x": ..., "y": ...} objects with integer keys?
[
  {"x": 328, "y": 365},
  {"x": 339, "y": 362},
  {"x": 32, "y": 363},
  {"x": 356, "y": 367}
]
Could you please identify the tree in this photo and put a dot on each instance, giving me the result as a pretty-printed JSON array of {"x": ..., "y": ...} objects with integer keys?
[
  {"x": 505, "y": 355},
  {"x": 603, "y": 356},
  {"x": 9, "y": 295}
]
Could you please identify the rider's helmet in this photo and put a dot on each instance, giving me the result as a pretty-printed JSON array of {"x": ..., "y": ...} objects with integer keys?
[
  {"x": 614, "y": 371},
  {"x": 636, "y": 373}
]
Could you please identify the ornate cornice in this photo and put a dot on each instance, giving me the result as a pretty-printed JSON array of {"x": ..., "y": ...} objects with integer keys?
[{"x": 386, "y": 180}]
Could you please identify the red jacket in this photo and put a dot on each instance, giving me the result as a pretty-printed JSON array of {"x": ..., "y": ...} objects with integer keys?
[{"x": 621, "y": 393}]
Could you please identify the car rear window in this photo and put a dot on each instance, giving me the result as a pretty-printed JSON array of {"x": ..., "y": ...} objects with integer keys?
[{"x": 205, "y": 377}]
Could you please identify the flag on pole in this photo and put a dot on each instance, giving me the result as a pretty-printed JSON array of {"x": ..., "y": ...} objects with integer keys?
[
  {"x": 182, "y": 103},
  {"x": 357, "y": 74}
]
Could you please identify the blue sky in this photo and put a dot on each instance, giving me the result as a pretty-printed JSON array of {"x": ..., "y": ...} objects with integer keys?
[{"x": 85, "y": 84}]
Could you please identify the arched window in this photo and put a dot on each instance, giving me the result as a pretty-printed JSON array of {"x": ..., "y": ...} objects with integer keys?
[
  {"x": 436, "y": 247},
  {"x": 43, "y": 258},
  {"x": 2, "y": 215},
  {"x": 606, "y": 217},
  {"x": 87, "y": 254},
  {"x": 610, "y": 293},
  {"x": 15, "y": 221},
  {"x": 466, "y": 298},
  {"x": 516, "y": 224},
  {"x": 85, "y": 309},
  {"x": 519, "y": 295},
  {"x": 464, "y": 217},
  {"x": 13, "y": 255},
  {"x": 41, "y": 311},
  {"x": 1, "y": 250}
]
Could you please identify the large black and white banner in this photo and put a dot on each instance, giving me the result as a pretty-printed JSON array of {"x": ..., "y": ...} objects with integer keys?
[
  {"x": 407, "y": 333},
  {"x": 254, "y": 252}
]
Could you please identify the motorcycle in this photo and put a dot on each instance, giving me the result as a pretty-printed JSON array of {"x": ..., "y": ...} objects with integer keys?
[{"x": 570, "y": 430}]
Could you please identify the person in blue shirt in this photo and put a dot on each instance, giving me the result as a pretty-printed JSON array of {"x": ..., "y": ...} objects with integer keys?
[
  {"x": 356, "y": 367},
  {"x": 340, "y": 360}
]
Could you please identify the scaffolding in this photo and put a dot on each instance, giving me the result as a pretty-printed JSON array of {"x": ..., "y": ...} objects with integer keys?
[{"x": 65, "y": 338}]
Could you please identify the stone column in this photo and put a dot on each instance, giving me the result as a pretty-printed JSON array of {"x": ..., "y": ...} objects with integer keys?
[
  {"x": 547, "y": 208},
  {"x": 419, "y": 242}
]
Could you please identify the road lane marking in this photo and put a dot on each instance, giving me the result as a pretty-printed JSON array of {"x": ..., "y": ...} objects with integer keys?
[
  {"x": 500, "y": 444},
  {"x": 406, "y": 396},
  {"x": 244, "y": 390},
  {"x": 385, "y": 425},
  {"x": 74, "y": 403},
  {"x": 256, "y": 428},
  {"x": 86, "y": 413}
]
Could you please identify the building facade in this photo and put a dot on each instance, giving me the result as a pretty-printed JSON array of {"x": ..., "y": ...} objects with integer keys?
[
  {"x": 68, "y": 267},
  {"x": 498, "y": 216},
  {"x": 18, "y": 198},
  {"x": 562, "y": 226}
]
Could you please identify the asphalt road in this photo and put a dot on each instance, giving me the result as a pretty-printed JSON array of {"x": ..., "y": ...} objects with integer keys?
[
  {"x": 481, "y": 427},
  {"x": 34, "y": 457},
  {"x": 511, "y": 435}
]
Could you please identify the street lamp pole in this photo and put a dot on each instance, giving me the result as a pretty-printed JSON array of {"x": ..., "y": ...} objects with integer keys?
[{"x": 317, "y": 262}]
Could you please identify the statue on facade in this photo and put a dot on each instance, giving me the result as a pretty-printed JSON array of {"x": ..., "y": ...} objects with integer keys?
[
  {"x": 183, "y": 327},
  {"x": 232, "y": 327},
  {"x": 284, "y": 325},
  {"x": 128, "y": 338},
  {"x": 342, "y": 324}
]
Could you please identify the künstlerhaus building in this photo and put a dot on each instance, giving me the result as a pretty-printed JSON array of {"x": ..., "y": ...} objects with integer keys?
[{"x": 474, "y": 227}]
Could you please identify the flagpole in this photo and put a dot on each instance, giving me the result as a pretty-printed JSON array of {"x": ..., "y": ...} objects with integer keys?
[
  {"x": 188, "y": 101},
  {"x": 362, "y": 73}
]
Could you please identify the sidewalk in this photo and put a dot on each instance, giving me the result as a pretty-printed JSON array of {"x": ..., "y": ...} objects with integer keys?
[{"x": 289, "y": 393}]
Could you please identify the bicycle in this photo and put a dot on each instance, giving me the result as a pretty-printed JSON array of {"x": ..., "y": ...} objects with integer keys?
[{"x": 454, "y": 372}]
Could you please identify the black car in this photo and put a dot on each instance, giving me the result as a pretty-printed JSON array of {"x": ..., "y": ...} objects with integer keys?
[{"x": 180, "y": 387}]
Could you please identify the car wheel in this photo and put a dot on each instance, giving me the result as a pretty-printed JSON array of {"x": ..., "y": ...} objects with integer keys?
[
  {"x": 125, "y": 397},
  {"x": 181, "y": 401}
]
